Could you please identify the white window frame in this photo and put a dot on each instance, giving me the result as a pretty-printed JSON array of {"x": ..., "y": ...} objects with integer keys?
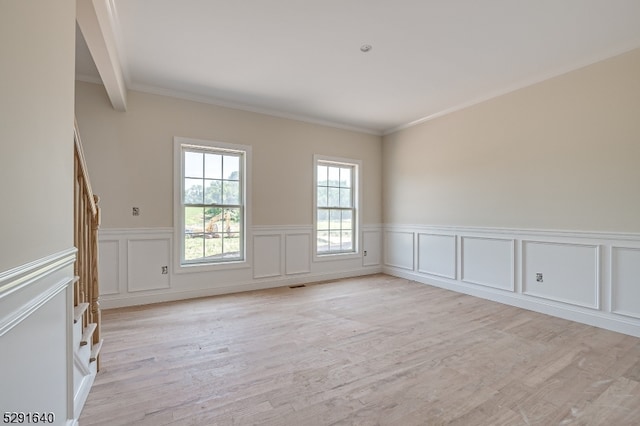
[
  {"x": 178, "y": 211},
  {"x": 357, "y": 200}
]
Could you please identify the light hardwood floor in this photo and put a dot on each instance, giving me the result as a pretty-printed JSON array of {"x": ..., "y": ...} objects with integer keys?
[{"x": 363, "y": 351}]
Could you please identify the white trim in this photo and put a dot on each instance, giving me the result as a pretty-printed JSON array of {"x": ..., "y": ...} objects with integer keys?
[
  {"x": 512, "y": 274},
  {"x": 612, "y": 287},
  {"x": 15, "y": 318},
  {"x": 597, "y": 289},
  {"x": 237, "y": 287},
  {"x": 512, "y": 88},
  {"x": 358, "y": 203},
  {"x": 117, "y": 232},
  {"x": 21, "y": 276},
  {"x": 178, "y": 218},
  {"x": 455, "y": 254},
  {"x": 602, "y": 313},
  {"x": 471, "y": 230},
  {"x": 210, "y": 100},
  {"x": 569, "y": 312}
]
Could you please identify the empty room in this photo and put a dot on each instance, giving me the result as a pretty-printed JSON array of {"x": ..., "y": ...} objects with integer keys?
[{"x": 320, "y": 213}]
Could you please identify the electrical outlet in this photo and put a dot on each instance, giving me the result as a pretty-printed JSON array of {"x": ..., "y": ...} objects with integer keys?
[
  {"x": 539, "y": 277},
  {"x": 135, "y": 211},
  {"x": 165, "y": 270},
  {"x": 365, "y": 252}
]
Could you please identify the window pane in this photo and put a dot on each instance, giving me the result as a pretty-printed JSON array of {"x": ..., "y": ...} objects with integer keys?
[
  {"x": 213, "y": 194},
  {"x": 213, "y": 166},
  {"x": 323, "y": 219},
  {"x": 346, "y": 220},
  {"x": 322, "y": 197},
  {"x": 334, "y": 241},
  {"x": 333, "y": 197},
  {"x": 345, "y": 177},
  {"x": 322, "y": 175},
  {"x": 334, "y": 176},
  {"x": 347, "y": 241},
  {"x": 335, "y": 219},
  {"x": 345, "y": 197},
  {"x": 193, "y": 247},
  {"x": 231, "y": 167},
  {"x": 323, "y": 241},
  {"x": 231, "y": 192},
  {"x": 232, "y": 222},
  {"x": 231, "y": 245},
  {"x": 193, "y": 164},
  {"x": 213, "y": 246},
  {"x": 193, "y": 191},
  {"x": 213, "y": 221},
  {"x": 194, "y": 220}
]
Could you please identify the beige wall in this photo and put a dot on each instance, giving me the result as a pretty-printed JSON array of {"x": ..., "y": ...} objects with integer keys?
[
  {"x": 37, "y": 51},
  {"x": 562, "y": 154},
  {"x": 130, "y": 156}
]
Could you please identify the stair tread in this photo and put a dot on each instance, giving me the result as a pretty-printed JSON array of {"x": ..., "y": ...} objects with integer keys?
[
  {"x": 78, "y": 311},
  {"x": 87, "y": 333},
  {"x": 95, "y": 351}
]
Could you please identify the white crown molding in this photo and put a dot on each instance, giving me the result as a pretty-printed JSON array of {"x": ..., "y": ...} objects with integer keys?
[
  {"x": 592, "y": 235},
  {"x": 31, "y": 272},
  {"x": 517, "y": 86},
  {"x": 172, "y": 93}
]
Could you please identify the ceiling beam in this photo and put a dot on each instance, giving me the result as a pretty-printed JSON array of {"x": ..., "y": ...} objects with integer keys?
[{"x": 95, "y": 19}]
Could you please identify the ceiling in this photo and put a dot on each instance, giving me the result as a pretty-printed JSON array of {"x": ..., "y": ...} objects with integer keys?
[{"x": 302, "y": 59}]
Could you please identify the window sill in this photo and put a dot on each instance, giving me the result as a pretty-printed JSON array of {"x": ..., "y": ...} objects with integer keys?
[
  {"x": 336, "y": 256},
  {"x": 211, "y": 267}
]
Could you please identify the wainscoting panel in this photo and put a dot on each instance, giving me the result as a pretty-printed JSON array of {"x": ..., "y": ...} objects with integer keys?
[
  {"x": 278, "y": 255},
  {"x": 36, "y": 305},
  {"x": 267, "y": 256},
  {"x": 589, "y": 277},
  {"x": 437, "y": 255},
  {"x": 146, "y": 259},
  {"x": 625, "y": 281},
  {"x": 488, "y": 262},
  {"x": 298, "y": 253},
  {"x": 398, "y": 249},
  {"x": 109, "y": 275},
  {"x": 563, "y": 272},
  {"x": 372, "y": 245}
]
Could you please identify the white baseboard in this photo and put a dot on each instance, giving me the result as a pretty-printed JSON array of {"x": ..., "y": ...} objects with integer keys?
[
  {"x": 588, "y": 277},
  {"x": 131, "y": 261},
  {"x": 110, "y": 302},
  {"x": 596, "y": 319}
]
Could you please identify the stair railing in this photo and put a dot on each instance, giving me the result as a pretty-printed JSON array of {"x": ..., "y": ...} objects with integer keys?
[{"x": 87, "y": 223}]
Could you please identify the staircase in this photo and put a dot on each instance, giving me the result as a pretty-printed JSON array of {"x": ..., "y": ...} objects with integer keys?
[{"x": 86, "y": 312}]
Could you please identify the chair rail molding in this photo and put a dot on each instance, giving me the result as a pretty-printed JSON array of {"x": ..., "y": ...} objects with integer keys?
[{"x": 584, "y": 276}]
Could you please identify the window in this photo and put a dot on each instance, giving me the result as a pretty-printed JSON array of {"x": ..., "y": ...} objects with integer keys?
[
  {"x": 336, "y": 202},
  {"x": 212, "y": 208}
]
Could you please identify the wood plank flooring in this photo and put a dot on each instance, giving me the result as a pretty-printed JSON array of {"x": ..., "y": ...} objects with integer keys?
[{"x": 373, "y": 350}]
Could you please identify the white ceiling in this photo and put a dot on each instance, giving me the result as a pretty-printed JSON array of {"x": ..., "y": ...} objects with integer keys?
[{"x": 302, "y": 58}]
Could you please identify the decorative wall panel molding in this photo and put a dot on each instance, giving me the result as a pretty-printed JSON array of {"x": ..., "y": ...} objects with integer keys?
[
  {"x": 565, "y": 272},
  {"x": 146, "y": 261},
  {"x": 589, "y": 277},
  {"x": 267, "y": 255},
  {"x": 298, "y": 253},
  {"x": 488, "y": 261},
  {"x": 399, "y": 249},
  {"x": 130, "y": 263},
  {"x": 437, "y": 255},
  {"x": 372, "y": 247},
  {"x": 625, "y": 281},
  {"x": 109, "y": 278}
]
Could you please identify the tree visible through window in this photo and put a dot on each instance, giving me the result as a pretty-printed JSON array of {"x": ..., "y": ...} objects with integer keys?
[
  {"x": 335, "y": 207},
  {"x": 212, "y": 205}
]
